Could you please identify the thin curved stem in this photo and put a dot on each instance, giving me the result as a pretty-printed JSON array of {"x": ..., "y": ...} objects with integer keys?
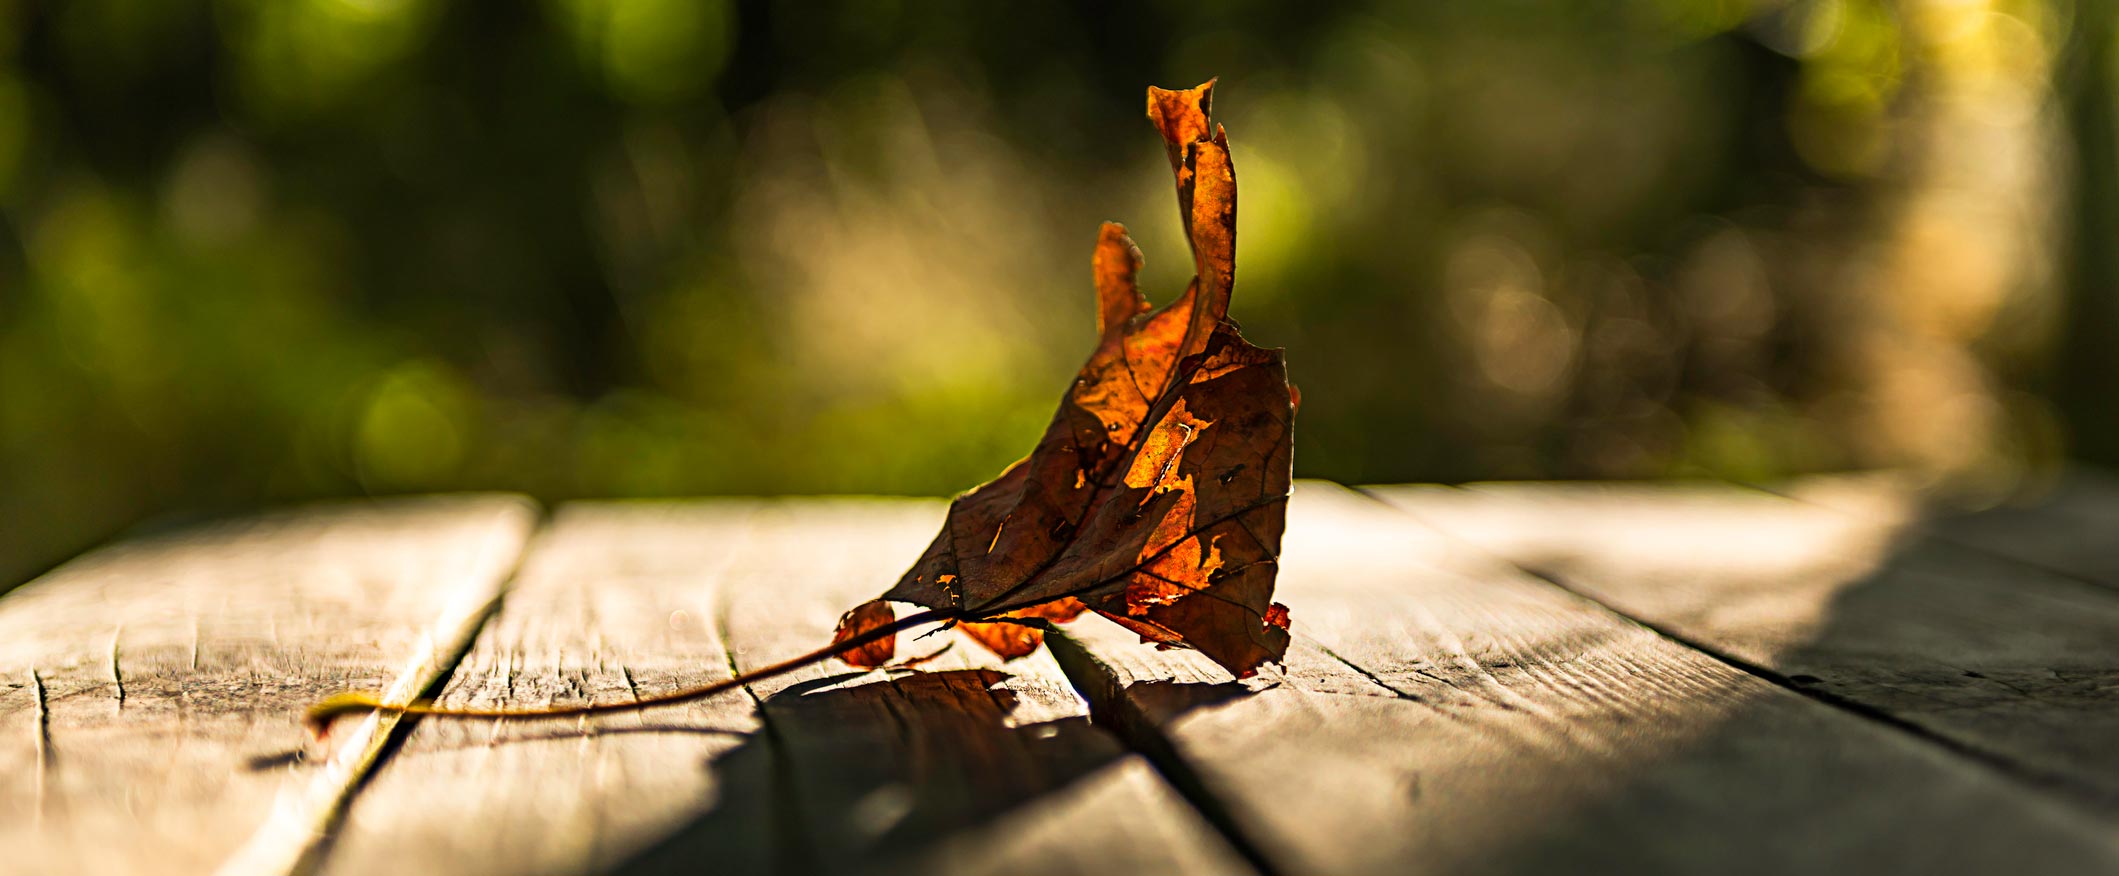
[{"x": 319, "y": 717}]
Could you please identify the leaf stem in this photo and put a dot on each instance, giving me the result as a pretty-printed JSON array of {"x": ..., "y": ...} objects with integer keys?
[{"x": 320, "y": 716}]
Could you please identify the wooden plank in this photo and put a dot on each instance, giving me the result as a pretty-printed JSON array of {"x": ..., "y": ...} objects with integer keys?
[
  {"x": 2006, "y": 660},
  {"x": 612, "y": 600},
  {"x": 154, "y": 689},
  {"x": 1442, "y": 713},
  {"x": 966, "y": 766}
]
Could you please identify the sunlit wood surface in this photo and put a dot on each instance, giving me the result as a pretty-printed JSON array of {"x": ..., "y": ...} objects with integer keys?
[{"x": 1830, "y": 677}]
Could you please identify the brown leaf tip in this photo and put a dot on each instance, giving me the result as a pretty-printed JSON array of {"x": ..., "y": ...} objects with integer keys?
[
  {"x": 861, "y": 622},
  {"x": 1182, "y": 114}
]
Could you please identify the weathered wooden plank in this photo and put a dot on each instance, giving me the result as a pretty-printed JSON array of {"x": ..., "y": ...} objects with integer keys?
[
  {"x": 154, "y": 689},
  {"x": 611, "y": 603},
  {"x": 966, "y": 766},
  {"x": 1851, "y": 601},
  {"x": 1442, "y": 713}
]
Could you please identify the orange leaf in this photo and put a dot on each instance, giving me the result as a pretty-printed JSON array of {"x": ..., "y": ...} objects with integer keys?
[
  {"x": 1012, "y": 640},
  {"x": 863, "y": 618},
  {"x": 1158, "y": 493}
]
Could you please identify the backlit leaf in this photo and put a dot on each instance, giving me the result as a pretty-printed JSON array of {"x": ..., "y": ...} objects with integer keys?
[{"x": 1157, "y": 495}]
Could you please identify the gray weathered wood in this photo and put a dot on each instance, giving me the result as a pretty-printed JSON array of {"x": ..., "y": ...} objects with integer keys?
[
  {"x": 968, "y": 766},
  {"x": 610, "y": 600},
  {"x": 1844, "y": 597},
  {"x": 150, "y": 716},
  {"x": 1442, "y": 713}
]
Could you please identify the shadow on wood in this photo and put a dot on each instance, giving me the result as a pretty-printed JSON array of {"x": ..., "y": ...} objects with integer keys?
[
  {"x": 1443, "y": 712},
  {"x": 875, "y": 777}
]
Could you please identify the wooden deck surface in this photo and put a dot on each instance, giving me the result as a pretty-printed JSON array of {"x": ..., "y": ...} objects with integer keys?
[{"x": 1830, "y": 677}]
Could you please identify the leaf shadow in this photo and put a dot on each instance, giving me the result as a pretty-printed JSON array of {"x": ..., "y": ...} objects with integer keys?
[
  {"x": 1175, "y": 698},
  {"x": 873, "y": 778}
]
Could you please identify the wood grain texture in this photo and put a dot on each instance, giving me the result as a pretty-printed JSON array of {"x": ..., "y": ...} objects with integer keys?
[
  {"x": 1442, "y": 713},
  {"x": 967, "y": 766},
  {"x": 1844, "y": 597},
  {"x": 150, "y": 716}
]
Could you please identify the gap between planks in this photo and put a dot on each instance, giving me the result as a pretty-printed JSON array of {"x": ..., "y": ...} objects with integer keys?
[
  {"x": 1995, "y": 763},
  {"x": 1102, "y": 688},
  {"x": 297, "y": 837}
]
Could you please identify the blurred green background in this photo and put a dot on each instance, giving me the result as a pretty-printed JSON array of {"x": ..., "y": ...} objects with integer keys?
[{"x": 260, "y": 251}]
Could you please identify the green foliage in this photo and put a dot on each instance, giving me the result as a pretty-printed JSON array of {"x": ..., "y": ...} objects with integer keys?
[{"x": 263, "y": 251}]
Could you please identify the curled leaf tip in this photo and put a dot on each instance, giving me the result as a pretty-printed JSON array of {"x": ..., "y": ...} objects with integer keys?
[
  {"x": 1181, "y": 113},
  {"x": 1183, "y": 118}
]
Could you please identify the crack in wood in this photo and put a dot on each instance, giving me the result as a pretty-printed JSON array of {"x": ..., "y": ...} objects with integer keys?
[
  {"x": 297, "y": 839},
  {"x": 117, "y": 676},
  {"x": 2007, "y": 767},
  {"x": 792, "y": 853},
  {"x": 47, "y": 756},
  {"x": 1373, "y": 678},
  {"x": 1111, "y": 709}
]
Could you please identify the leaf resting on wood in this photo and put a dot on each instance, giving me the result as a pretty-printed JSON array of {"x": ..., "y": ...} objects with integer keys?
[
  {"x": 1157, "y": 495},
  {"x": 1155, "y": 498}
]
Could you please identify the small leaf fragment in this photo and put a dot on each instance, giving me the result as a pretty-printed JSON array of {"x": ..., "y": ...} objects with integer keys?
[{"x": 864, "y": 618}]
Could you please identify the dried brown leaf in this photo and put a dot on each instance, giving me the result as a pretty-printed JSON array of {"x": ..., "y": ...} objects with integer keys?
[{"x": 1157, "y": 494}]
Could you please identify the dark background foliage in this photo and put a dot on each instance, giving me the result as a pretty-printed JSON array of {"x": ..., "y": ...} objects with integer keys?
[{"x": 260, "y": 251}]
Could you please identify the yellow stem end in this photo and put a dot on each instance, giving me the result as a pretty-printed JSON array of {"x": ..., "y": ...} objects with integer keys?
[{"x": 319, "y": 717}]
